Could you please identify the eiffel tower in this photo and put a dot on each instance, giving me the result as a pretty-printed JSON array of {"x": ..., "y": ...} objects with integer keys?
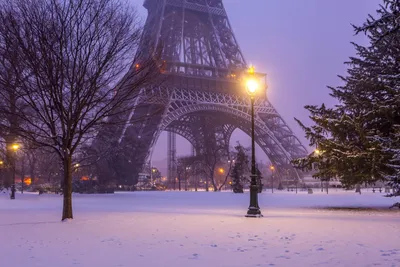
[{"x": 202, "y": 98}]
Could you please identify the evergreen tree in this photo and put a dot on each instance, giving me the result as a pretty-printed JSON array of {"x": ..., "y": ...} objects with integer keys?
[
  {"x": 239, "y": 169},
  {"x": 237, "y": 185},
  {"x": 358, "y": 139},
  {"x": 259, "y": 180}
]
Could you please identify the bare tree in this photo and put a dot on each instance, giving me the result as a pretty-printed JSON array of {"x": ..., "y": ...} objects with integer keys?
[
  {"x": 215, "y": 154},
  {"x": 186, "y": 168},
  {"x": 9, "y": 83},
  {"x": 227, "y": 173},
  {"x": 70, "y": 54}
]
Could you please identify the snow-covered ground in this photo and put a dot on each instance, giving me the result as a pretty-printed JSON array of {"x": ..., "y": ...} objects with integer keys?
[{"x": 200, "y": 229}]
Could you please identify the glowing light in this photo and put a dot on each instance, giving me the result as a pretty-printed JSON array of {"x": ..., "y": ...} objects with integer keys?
[
  {"x": 77, "y": 165},
  {"x": 1, "y": 162},
  {"x": 15, "y": 147},
  {"x": 317, "y": 151},
  {"x": 28, "y": 181},
  {"x": 252, "y": 83},
  {"x": 252, "y": 86},
  {"x": 221, "y": 170},
  {"x": 272, "y": 168},
  {"x": 251, "y": 69},
  {"x": 154, "y": 170},
  {"x": 137, "y": 66}
]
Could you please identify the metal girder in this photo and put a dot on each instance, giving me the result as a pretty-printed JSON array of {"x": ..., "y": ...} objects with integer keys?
[
  {"x": 182, "y": 96},
  {"x": 194, "y": 34},
  {"x": 274, "y": 136}
]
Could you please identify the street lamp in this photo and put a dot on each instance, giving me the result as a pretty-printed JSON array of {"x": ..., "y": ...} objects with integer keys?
[
  {"x": 318, "y": 152},
  {"x": 252, "y": 85},
  {"x": 272, "y": 168},
  {"x": 15, "y": 148}
]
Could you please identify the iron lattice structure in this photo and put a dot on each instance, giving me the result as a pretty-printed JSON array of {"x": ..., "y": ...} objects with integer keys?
[{"x": 202, "y": 95}]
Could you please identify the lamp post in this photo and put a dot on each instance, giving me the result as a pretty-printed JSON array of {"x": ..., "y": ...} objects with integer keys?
[
  {"x": 15, "y": 148},
  {"x": 1, "y": 166},
  {"x": 252, "y": 85},
  {"x": 152, "y": 171},
  {"x": 318, "y": 153},
  {"x": 272, "y": 168}
]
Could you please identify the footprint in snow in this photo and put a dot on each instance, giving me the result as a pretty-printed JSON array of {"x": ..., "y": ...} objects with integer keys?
[{"x": 194, "y": 256}]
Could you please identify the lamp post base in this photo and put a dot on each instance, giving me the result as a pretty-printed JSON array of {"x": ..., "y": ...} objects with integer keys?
[
  {"x": 254, "y": 214},
  {"x": 254, "y": 209}
]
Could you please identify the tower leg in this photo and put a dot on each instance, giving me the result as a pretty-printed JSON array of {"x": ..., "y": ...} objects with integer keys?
[{"x": 172, "y": 160}]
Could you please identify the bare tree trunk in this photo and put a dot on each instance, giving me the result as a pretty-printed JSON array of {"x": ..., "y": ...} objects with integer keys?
[
  {"x": 67, "y": 190},
  {"x": 22, "y": 174},
  {"x": 226, "y": 177},
  {"x": 358, "y": 189},
  {"x": 32, "y": 166},
  {"x": 186, "y": 184},
  {"x": 10, "y": 161},
  {"x": 215, "y": 188}
]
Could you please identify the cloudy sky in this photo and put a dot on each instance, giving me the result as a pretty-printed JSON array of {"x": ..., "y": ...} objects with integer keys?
[{"x": 301, "y": 44}]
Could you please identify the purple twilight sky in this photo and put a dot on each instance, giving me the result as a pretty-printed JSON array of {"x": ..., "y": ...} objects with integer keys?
[{"x": 301, "y": 44}]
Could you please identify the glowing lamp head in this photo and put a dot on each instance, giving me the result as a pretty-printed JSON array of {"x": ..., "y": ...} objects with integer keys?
[
  {"x": 317, "y": 151},
  {"x": 15, "y": 147},
  {"x": 1, "y": 162},
  {"x": 252, "y": 86},
  {"x": 221, "y": 170}
]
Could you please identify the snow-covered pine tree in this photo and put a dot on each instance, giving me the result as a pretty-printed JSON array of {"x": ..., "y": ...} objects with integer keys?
[
  {"x": 358, "y": 139},
  {"x": 259, "y": 180},
  {"x": 239, "y": 169},
  {"x": 237, "y": 185}
]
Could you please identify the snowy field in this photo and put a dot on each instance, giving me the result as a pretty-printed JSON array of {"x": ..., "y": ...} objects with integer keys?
[{"x": 200, "y": 229}]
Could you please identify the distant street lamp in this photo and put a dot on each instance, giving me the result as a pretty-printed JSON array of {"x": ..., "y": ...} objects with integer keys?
[
  {"x": 272, "y": 168},
  {"x": 1, "y": 166},
  {"x": 319, "y": 152},
  {"x": 252, "y": 85},
  {"x": 15, "y": 148}
]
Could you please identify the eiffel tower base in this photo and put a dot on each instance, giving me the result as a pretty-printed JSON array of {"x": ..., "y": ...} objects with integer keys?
[{"x": 202, "y": 97}]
